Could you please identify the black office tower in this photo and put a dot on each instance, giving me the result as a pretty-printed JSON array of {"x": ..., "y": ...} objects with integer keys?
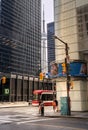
[
  {"x": 20, "y": 36},
  {"x": 50, "y": 43}
]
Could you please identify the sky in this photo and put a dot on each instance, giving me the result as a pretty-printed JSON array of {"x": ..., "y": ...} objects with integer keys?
[{"x": 48, "y": 9}]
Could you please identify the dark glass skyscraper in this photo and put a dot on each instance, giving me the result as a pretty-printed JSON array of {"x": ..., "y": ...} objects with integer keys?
[
  {"x": 20, "y": 36},
  {"x": 50, "y": 43}
]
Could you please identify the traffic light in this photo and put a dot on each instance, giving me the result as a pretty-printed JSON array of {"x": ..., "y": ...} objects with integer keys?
[
  {"x": 41, "y": 76},
  {"x": 3, "y": 80},
  {"x": 63, "y": 68}
]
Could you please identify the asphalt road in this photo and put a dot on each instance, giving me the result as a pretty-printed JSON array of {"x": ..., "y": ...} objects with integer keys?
[
  {"x": 27, "y": 119},
  {"x": 47, "y": 123}
]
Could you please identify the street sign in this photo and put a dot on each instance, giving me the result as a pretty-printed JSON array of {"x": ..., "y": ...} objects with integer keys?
[{"x": 6, "y": 91}]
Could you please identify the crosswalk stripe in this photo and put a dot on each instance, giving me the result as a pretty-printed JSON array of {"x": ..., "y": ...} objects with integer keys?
[
  {"x": 22, "y": 122},
  {"x": 10, "y": 119}
]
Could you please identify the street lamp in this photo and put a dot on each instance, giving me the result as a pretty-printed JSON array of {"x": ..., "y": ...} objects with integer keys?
[{"x": 67, "y": 72}]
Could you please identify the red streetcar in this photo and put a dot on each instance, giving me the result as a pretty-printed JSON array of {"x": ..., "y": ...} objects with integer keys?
[{"x": 46, "y": 96}]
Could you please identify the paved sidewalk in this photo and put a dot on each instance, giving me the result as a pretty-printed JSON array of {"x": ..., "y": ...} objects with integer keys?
[
  {"x": 48, "y": 112},
  {"x": 13, "y": 104},
  {"x": 81, "y": 115}
]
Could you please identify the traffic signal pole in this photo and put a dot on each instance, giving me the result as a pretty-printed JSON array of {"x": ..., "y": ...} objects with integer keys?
[
  {"x": 67, "y": 73},
  {"x": 68, "y": 78}
]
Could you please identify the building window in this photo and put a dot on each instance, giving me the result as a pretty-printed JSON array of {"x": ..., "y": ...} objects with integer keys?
[{"x": 86, "y": 17}]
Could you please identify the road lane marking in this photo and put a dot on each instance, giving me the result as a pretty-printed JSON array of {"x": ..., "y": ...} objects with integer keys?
[
  {"x": 22, "y": 122},
  {"x": 10, "y": 119},
  {"x": 2, "y": 122}
]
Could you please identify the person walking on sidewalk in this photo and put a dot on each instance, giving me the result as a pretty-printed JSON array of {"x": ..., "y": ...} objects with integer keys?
[
  {"x": 39, "y": 106},
  {"x": 42, "y": 108},
  {"x": 54, "y": 105}
]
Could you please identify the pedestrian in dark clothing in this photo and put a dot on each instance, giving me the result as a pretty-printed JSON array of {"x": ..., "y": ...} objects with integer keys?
[
  {"x": 42, "y": 108},
  {"x": 56, "y": 105},
  {"x": 39, "y": 106},
  {"x": 56, "y": 102}
]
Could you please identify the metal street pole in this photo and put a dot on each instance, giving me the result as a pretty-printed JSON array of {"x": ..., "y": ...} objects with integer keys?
[{"x": 67, "y": 73}]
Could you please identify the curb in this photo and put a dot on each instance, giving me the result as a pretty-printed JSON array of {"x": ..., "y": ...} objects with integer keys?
[
  {"x": 67, "y": 117},
  {"x": 12, "y": 105}
]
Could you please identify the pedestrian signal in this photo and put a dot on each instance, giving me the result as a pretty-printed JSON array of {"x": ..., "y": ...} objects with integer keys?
[{"x": 63, "y": 68}]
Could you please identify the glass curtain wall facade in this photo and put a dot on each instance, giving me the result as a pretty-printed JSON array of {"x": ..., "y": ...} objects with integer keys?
[
  {"x": 50, "y": 44},
  {"x": 20, "y": 36}
]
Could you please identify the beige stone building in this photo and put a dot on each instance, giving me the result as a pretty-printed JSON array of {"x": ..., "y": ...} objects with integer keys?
[{"x": 71, "y": 25}]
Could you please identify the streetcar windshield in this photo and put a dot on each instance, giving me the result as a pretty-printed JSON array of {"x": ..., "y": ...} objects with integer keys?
[{"x": 47, "y": 97}]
